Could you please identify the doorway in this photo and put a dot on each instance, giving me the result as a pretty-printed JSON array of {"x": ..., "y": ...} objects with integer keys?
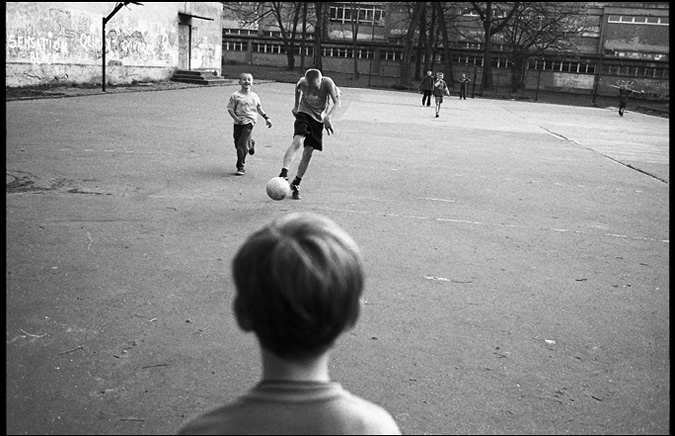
[{"x": 184, "y": 44}]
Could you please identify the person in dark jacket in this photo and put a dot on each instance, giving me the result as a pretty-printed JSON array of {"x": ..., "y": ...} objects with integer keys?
[{"x": 427, "y": 88}]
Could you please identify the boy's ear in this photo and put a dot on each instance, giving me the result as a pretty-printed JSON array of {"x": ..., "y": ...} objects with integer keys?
[{"x": 240, "y": 314}]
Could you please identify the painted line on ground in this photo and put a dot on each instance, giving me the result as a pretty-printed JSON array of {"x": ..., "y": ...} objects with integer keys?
[{"x": 480, "y": 223}]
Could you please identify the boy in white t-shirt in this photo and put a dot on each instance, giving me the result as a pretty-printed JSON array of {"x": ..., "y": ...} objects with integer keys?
[
  {"x": 440, "y": 89},
  {"x": 244, "y": 107}
]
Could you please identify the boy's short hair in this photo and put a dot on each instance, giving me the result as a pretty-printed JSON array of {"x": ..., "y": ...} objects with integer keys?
[
  {"x": 299, "y": 282},
  {"x": 312, "y": 74},
  {"x": 242, "y": 75}
]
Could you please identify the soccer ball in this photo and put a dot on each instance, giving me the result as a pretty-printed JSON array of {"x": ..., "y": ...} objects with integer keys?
[{"x": 278, "y": 188}]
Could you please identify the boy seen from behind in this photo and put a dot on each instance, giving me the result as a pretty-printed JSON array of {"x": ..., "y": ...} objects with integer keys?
[{"x": 298, "y": 283}]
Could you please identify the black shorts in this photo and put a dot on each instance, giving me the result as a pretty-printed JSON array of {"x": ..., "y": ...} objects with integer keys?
[{"x": 310, "y": 128}]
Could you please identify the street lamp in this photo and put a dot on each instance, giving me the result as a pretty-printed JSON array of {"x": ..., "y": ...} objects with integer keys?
[{"x": 105, "y": 20}]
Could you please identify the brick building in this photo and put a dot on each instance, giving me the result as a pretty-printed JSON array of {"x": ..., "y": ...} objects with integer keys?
[{"x": 627, "y": 43}]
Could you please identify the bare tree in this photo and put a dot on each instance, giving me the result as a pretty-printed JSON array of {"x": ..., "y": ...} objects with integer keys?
[
  {"x": 287, "y": 15},
  {"x": 356, "y": 11},
  {"x": 444, "y": 18},
  {"x": 304, "y": 35},
  {"x": 318, "y": 29},
  {"x": 494, "y": 16},
  {"x": 543, "y": 27},
  {"x": 246, "y": 15},
  {"x": 424, "y": 44},
  {"x": 404, "y": 75}
]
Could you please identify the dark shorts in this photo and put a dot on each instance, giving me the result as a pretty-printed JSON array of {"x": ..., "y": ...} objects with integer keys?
[{"x": 310, "y": 128}]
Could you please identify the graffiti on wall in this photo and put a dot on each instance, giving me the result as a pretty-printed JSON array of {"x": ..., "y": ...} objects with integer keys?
[
  {"x": 75, "y": 37},
  {"x": 203, "y": 55}
]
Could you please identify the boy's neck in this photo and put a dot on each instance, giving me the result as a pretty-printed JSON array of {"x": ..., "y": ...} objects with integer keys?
[
  {"x": 245, "y": 90},
  {"x": 310, "y": 369}
]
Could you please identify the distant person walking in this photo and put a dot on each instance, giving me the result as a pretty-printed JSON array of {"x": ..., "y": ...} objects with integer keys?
[
  {"x": 463, "y": 81},
  {"x": 244, "y": 107},
  {"x": 427, "y": 88}
]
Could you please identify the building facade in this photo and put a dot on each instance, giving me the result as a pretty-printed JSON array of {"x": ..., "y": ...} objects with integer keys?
[
  {"x": 627, "y": 43},
  {"x": 48, "y": 42}
]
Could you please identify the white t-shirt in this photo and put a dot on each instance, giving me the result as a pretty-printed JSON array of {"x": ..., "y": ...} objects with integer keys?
[
  {"x": 245, "y": 106},
  {"x": 314, "y": 102}
]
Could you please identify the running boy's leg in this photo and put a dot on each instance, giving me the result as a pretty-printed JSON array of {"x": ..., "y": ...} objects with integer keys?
[
  {"x": 304, "y": 162},
  {"x": 290, "y": 154},
  {"x": 242, "y": 138},
  {"x": 307, "y": 152}
]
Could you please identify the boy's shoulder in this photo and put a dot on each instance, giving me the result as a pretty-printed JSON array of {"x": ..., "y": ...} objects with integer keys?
[{"x": 241, "y": 95}]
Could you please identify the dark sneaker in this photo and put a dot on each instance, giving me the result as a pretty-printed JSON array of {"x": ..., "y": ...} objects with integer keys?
[
  {"x": 240, "y": 172},
  {"x": 251, "y": 149},
  {"x": 295, "y": 192}
]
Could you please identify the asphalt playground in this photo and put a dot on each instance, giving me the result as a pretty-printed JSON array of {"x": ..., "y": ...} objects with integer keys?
[{"x": 517, "y": 259}]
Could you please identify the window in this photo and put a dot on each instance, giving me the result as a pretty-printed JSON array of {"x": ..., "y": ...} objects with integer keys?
[
  {"x": 630, "y": 19},
  {"x": 469, "y": 12},
  {"x": 390, "y": 55},
  {"x": 367, "y": 14},
  {"x": 235, "y": 46},
  {"x": 638, "y": 55},
  {"x": 269, "y": 48}
]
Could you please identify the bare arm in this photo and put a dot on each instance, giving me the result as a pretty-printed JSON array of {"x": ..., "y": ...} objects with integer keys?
[
  {"x": 298, "y": 93},
  {"x": 268, "y": 120},
  {"x": 335, "y": 104}
]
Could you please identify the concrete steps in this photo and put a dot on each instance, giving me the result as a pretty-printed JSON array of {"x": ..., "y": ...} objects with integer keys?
[{"x": 198, "y": 77}]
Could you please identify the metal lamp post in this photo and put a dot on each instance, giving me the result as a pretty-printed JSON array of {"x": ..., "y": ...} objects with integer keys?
[{"x": 105, "y": 21}]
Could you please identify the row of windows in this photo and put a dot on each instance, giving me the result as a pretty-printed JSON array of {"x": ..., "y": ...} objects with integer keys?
[
  {"x": 631, "y": 71},
  {"x": 372, "y": 15},
  {"x": 624, "y": 19},
  {"x": 637, "y": 55},
  {"x": 476, "y": 60},
  {"x": 631, "y": 19},
  {"x": 565, "y": 67},
  {"x": 240, "y": 32},
  {"x": 471, "y": 12}
]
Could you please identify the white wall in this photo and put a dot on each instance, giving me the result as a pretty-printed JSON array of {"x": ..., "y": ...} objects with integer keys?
[{"x": 62, "y": 42}]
